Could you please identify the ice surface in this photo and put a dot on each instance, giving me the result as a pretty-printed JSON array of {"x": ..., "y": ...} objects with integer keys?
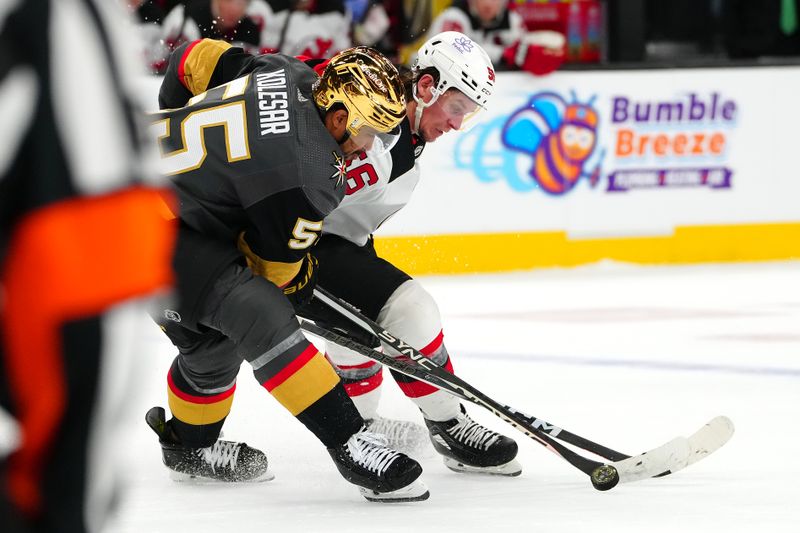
[{"x": 627, "y": 356}]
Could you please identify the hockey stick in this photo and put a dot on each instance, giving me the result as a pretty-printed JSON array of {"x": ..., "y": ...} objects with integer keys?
[
  {"x": 666, "y": 459},
  {"x": 604, "y": 477}
]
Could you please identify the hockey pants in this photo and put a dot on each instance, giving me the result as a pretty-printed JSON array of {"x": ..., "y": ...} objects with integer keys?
[{"x": 245, "y": 317}]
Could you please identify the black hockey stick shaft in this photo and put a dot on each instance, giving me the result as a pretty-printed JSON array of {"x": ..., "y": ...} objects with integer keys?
[
  {"x": 418, "y": 366},
  {"x": 570, "y": 438},
  {"x": 430, "y": 373},
  {"x": 357, "y": 318}
]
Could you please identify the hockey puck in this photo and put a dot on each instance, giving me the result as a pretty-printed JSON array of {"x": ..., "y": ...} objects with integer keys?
[{"x": 604, "y": 477}]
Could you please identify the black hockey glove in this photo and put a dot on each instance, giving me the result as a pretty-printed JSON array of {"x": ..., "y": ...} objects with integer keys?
[
  {"x": 327, "y": 318},
  {"x": 300, "y": 289}
]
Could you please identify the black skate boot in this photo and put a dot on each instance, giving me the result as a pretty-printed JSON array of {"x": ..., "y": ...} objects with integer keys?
[
  {"x": 224, "y": 461},
  {"x": 381, "y": 473},
  {"x": 467, "y": 446}
]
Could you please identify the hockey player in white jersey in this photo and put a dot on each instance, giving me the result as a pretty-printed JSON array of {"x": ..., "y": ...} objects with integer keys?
[{"x": 449, "y": 86}]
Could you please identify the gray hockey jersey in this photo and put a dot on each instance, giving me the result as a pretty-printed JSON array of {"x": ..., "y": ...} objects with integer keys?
[{"x": 253, "y": 156}]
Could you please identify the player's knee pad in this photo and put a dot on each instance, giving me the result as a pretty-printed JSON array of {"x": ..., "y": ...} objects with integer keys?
[{"x": 412, "y": 314}]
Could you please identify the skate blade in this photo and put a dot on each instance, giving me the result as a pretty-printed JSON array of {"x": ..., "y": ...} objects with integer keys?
[
  {"x": 510, "y": 469},
  {"x": 190, "y": 479},
  {"x": 414, "y": 492}
]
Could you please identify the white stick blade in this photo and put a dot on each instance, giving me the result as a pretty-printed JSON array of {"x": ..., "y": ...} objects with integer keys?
[
  {"x": 678, "y": 453},
  {"x": 710, "y": 438},
  {"x": 671, "y": 456}
]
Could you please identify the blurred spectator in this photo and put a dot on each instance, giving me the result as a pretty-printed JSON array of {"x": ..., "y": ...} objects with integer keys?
[
  {"x": 260, "y": 12},
  {"x": 370, "y": 21},
  {"x": 311, "y": 28},
  {"x": 400, "y": 32},
  {"x": 149, "y": 14},
  {"x": 153, "y": 11},
  {"x": 502, "y": 34},
  {"x": 228, "y": 20}
]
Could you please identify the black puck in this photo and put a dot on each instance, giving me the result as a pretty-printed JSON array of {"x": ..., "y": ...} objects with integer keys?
[{"x": 604, "y": 477}]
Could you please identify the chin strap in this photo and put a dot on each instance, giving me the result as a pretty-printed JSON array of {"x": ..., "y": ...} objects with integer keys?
[{"x": 421, "y": 105}]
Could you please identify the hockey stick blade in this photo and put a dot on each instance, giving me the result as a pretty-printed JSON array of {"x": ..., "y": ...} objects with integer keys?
[{"x": 678, "y": 453}]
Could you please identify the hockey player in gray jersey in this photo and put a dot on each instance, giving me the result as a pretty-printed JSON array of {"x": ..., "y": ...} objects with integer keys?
[
  {"x": 449, "y": 86},
  {"x": 258, "y": 159}
]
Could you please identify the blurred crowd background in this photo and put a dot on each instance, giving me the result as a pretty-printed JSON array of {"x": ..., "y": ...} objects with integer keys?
[{"x": 534, "y": 35}]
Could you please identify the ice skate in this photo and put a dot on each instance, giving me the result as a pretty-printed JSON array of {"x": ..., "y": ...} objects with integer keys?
[
  {"x": 381, "y": 473},
  {"x": 223, "y": 461},
  {"x": 467, "y": 446},
  {"x": 404, "y": 436}
]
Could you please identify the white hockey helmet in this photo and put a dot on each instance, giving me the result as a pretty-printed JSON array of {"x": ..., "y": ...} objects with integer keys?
[{"x": 462, "y": 64}]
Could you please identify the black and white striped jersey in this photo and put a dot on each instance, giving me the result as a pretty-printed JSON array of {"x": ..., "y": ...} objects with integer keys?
[{"x": 67, "y": 125}]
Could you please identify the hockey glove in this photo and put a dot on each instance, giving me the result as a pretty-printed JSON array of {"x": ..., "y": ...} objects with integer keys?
[
  {"x": 327, "y": 318},
  {"x": 300, "y": 289},
  {"x": 538, "y": 52}
]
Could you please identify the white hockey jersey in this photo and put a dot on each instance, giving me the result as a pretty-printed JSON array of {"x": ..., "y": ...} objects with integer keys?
[
  {"x": 507, "y": 30},
  {"x": 378, "y": 186},
  {"x": 300, "y": 33}
]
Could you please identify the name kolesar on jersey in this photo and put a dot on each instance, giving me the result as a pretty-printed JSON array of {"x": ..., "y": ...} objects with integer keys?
[{"x": 273, "y": 115}]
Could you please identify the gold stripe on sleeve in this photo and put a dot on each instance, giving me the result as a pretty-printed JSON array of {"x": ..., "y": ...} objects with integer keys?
[
  {"x": 200, "y": 63},
  {"x": 275, "y": 271}
]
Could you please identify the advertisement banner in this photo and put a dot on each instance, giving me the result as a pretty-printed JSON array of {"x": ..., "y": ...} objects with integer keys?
[{"x": 616, "y": 153}]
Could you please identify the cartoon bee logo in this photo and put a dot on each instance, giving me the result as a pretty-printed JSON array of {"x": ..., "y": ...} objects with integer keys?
[{"x": 560, "y": 137}]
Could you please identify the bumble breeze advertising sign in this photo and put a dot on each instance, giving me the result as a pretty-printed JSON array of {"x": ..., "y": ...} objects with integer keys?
[
  {"x": 605, "y": 154},
  {"x": 646, "y": 143},
  {"x": 667, "y": 135}
]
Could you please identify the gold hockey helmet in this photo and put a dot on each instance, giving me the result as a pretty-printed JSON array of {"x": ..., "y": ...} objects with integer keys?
[{"x": 370, "y": 89}]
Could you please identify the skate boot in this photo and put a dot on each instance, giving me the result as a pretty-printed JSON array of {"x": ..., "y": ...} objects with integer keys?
[
  {"x": 467, "y": 446},
  {"x": 223, "y": 461},
  {"x": 404, "y": 436},
  {"x": 381, "y": 473}
]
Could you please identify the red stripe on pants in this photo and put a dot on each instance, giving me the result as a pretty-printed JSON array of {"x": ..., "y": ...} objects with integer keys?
[
  {"x": 365, "y": 385},
  {"x": 416, "y": 389}
]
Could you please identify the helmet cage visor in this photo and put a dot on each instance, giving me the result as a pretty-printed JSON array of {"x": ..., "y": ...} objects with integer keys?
[{"x": 459, "y": 109}]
